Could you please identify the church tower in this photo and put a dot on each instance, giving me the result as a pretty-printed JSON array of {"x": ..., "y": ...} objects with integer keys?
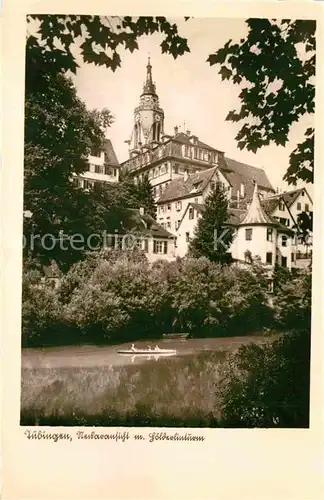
[{"x": 148, "y": 118}]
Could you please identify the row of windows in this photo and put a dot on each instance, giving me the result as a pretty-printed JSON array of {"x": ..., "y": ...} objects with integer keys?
[
  {"x": 103, "y": 169},
  {"x": 299, "y": 207},
  {"x": 199, "y": 153},
  {"x": 162, "y": 170},
  {"x": 160, "y": 247},
  {"x": 84, "y": 183},
  {"x": 249, "y": 233},
  {"x": 158, "y": 190}
]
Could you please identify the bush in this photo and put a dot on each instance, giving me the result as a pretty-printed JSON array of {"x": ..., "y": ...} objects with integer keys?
[
  {"x": 268, "y": 385},
  {"x": 292, "y": 301},
  {"x": 42, "y": 319},
  {"x": 213, "y": 300}
]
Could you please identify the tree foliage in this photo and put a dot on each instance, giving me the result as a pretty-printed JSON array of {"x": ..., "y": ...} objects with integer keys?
[
  {"x": 275, "y": 68},
  {"x": 269, "y": 385},
  {"x": 100, "y": 38},
  {"x": 211, "y": 238}
]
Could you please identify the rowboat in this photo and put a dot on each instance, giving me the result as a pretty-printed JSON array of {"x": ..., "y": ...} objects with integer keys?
[{"x": 157, "y": 351}]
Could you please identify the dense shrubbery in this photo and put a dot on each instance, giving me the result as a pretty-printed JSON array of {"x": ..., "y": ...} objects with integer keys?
[
  {"x": 268, "y": 385},
  {"x": 116, "y": 297},
  {"x": 119, "y": 297},
  {"x": 292, "y": 298}
]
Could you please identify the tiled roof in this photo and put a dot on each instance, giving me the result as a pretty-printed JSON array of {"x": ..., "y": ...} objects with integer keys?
[
  {"x": 185, "y": 139},
  {"x": 145, "y": 224},
  {"x": 291, "y": 196},
  {"x": 110, "y": 152},
  {"x": 239, "y": 173},
  {"x": 195, "y": 184},
  {"x": 270, "y": 204},
  {"x": 235, "y": 216},
  {"x": 197, "y": 206}
]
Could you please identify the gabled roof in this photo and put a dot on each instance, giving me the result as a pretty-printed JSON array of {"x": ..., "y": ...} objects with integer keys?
[
  {"x": 109, "y": 151},
  {"x": 238, "y": 173},
  {"x": 145, "y": 224},
  {"x": 180, "y": 188},
  {"x": 291, "y": 196},
  {"x": 256, "y": 215}
]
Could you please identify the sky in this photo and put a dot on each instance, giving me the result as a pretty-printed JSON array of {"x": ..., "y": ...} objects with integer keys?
[{"x": 191, "y": 93}]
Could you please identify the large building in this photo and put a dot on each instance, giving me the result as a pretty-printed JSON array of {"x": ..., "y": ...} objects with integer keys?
[
  {"x": 183, "y": 171},
  {"x": 103, "y": 167}
]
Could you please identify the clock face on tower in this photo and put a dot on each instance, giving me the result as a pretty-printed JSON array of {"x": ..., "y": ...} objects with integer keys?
[{"x": 157, "y": 118}]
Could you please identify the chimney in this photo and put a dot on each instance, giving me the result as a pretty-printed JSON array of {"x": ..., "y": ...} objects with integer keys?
[
  {"x": 141, "y": 210},
  {"x": 188, "y": 133},
  {"x": 176, "y": 130},
  {"x": 186, "y": 175}
]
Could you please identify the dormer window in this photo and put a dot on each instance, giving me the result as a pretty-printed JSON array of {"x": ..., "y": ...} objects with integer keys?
[
  {"x": 281, "y": 206},
  {"x": 191, "y": 213}
]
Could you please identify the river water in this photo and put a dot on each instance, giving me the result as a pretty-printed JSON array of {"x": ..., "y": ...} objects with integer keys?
[{"x": 91, "y": 356}]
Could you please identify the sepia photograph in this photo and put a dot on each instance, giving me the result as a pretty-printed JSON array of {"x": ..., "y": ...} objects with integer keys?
[{"x": 167, "y": 222}]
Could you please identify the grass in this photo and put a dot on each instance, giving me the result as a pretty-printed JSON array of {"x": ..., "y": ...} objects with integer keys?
[{"x": 174, "y": 392}]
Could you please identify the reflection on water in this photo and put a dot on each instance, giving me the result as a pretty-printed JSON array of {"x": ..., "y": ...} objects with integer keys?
[{"x": 91, "y": 356}]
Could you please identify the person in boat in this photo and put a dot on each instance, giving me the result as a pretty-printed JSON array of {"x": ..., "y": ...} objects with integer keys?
[
  {"x": 133, "y": 347},
  {"x": 157, "y": 348},
  {"x": 149, "y": 348}
]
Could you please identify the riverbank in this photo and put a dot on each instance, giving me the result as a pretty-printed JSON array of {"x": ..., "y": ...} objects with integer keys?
[
  {"x": 259, "y": 384},
  {"x": 79, "y": 388}
]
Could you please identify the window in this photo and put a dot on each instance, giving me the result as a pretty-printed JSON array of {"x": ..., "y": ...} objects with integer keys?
[
  {"x": 292, "y": 257},
  {"x": 242, "y": 190},
  {"x": 75, "y": 181},
  {"x": 303, "y": 193},
  {"x": 108, "y": 171},
  {"x": 178, "y": 205},
  {"x": 283, "y": 221},
  {"x": 115, "y": 172},
  {"x": 196, "y": 200},
  {"x": 161, "y": 209},
  {"x": 212, "y": 186},
  {"x": 97, "y": 169},
  {"x": 96, "y": 152},
  {"x": 298, "y": 206},
  {"x": 176, "y": 169},
  {"x": 248, "y": 234},
  {"x": 269, "y": 234},
  {"x": 191, "y": 213},
  {"x": 168, "y": 225},
  {"x": 187, "y": 237},
  {"x": 284, "y": 239},
  {"x": 160, "y": 189},
  {"x": 306, "y": 207},
  {"x": 177, "y": 224},
  {"x": 91, "y": 168},
  {"x": 284, "y": 261},
  {"x": 160, "y": 246},
  {"x": 281, "y": 206},
  {"x": 269, "y": 258}
]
